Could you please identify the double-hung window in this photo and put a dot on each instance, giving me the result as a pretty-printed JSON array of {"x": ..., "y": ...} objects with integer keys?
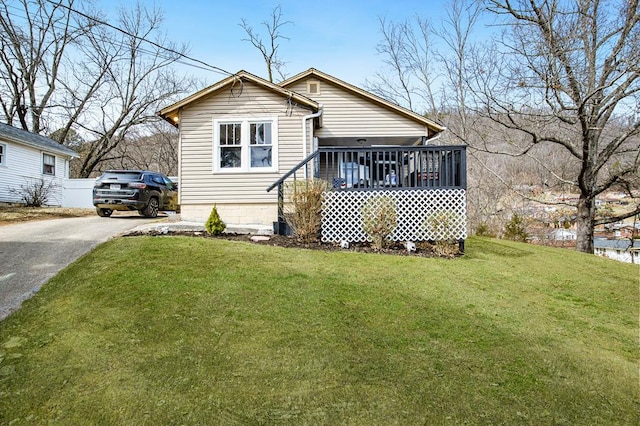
[
  {"x": 3, "y": 154},
  {"x": 230, "y": 151},
  {"x": 245, "y": 145},
  {"x": 261, "y": 144},
  {"x": 48, "y": 164}
]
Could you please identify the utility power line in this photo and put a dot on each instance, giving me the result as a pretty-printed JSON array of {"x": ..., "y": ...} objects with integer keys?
[{"x": 153, "y": 43}]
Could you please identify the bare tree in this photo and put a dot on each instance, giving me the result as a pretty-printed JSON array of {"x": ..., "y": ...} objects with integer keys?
[
  {"x": 554, "y": 102},
  {"x": 35, "y": 39},
  {"x": 409, "y": 77},
  {"x": 461, "y": 18},
  {"x": 566, "y": 74},
  {"x": 155, "y": 151},
  {"x": 68, "y": 69},
  {"x": 138, "y": 81},
  {"x": 269, "y": 50}
]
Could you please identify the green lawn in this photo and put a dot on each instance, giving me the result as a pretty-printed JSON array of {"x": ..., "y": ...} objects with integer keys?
[{"x": 180, "y": 330}]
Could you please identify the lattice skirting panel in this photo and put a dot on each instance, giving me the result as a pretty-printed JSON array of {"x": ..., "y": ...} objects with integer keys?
[{"x": 422, "y": 215}]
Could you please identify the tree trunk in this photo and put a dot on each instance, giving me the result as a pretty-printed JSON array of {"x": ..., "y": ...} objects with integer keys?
[{"x": 586, "y": 216}]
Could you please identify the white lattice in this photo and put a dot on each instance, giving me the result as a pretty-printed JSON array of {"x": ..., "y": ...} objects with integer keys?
[{"x": 423, "y": 215}]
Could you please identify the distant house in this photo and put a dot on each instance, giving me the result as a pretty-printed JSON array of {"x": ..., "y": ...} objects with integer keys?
[
  {"x": 27, "y": 158},
  {"x": 626, "y": 230},
  {"x": 620, "y": 249},
  {"x": 244, "y": 139},
  {"x": 620, "y": 230},
  {"x": 562, "y": 235}
]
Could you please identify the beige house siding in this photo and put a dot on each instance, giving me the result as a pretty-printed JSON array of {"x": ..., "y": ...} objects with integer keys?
[
  {"x": 235, "y": 213},
  {"x": 346, "y": 114},
  {"x": 199, "y": 184}
]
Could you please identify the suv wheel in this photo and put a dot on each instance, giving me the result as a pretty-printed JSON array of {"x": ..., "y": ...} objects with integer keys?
[
  {"x": 104, "y": 212},
  {"x": 152, "y": 208}
]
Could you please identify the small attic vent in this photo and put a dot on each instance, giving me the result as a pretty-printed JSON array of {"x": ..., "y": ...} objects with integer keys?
[{"x": 313, "y": 87}]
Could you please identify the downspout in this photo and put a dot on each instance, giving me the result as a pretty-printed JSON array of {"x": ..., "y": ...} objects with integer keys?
[
  {"x": 436, "y": 137},
  {"x": 304, "y": 135}
]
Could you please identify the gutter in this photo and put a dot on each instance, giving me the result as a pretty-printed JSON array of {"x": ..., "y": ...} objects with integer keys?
[{"x": 304, "y": 135}]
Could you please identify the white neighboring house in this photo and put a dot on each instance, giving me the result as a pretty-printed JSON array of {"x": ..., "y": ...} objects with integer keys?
[
  {"x": 27, "y": 158},
  {"x": 563, "y": 235},
  {"x": 620, "y": 250}
]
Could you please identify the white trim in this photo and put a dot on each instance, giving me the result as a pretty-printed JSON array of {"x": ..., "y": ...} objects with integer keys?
[
  {"x": 304, "y": 135},
  {"x": 311, "y": 85},
  {"x": 245, "y": 147},
  {"x": 180, "y": 162},
  {"x": 54, "y": 164},
  {"x": 3, "y": 155}
]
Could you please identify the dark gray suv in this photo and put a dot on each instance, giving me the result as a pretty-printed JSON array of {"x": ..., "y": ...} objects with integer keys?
[{"x": 141, "y": 190}]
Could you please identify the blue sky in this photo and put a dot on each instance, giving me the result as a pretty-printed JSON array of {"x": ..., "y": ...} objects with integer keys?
[{"x": 337, "y": 37}]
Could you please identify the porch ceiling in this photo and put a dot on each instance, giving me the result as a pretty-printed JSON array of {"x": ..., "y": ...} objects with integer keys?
[{"x": 370, "y": 141}]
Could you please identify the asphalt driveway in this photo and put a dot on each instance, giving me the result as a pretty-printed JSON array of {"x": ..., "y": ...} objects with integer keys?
[{"x": 33, "y": 252}]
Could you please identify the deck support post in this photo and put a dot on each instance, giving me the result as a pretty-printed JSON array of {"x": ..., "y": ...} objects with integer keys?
[{"x": 280, "y": 227}]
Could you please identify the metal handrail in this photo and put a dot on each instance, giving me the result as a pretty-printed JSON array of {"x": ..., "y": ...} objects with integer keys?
[{"x": 293, "y": 170}]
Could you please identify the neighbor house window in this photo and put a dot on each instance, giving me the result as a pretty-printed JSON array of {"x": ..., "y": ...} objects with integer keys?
[
  {"x": 3, "y": 154},
  {"x": 48, "y": 164},
  {"x": 245, "y": 145}
]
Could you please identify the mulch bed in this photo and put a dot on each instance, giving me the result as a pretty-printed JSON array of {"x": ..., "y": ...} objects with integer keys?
[{"x": 422, "y": 249}]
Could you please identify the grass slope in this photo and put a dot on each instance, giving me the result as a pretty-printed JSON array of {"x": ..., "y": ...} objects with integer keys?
[{"x": 178, "y": 330}]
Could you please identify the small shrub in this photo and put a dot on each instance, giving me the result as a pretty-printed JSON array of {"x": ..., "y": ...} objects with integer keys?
[
  {"x": 515, "y": 229},
  {"x": 35, "y": 193},
  {"x": 379, "y": 219},
  {"x": 304, "y": 212},
  {"x": 441, "y": 248},
  {"x": 440, "y": 226},
  {"x": 214, "y": 225},
  {"x": 483, "y": 230}
]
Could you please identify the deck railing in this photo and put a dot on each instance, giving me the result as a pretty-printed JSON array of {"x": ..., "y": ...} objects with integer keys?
[
  {"x": 442, "y": 167},
  {"x": 380, "y": 168}
]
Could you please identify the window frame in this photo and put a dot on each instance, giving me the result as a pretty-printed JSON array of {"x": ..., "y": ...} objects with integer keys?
[
  {"x": 3, "y": 154},
  {"x": 313, "y": 87},
  {"x": 44, "y": 164},
  {"x": 246, "y": 144}
]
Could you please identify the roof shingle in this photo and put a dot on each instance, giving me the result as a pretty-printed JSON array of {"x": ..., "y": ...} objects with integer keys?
[{"x": 13, "y": 134}]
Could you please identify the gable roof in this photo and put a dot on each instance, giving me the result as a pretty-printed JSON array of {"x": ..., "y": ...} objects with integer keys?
[
  {"x": 314, "y": 73},
  {"x": 13, "y": 134},
  {"x": 170, "y": 113}
]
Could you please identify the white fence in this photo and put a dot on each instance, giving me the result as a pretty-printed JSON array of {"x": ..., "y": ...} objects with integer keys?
[{"x": 78, "y": 193}]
